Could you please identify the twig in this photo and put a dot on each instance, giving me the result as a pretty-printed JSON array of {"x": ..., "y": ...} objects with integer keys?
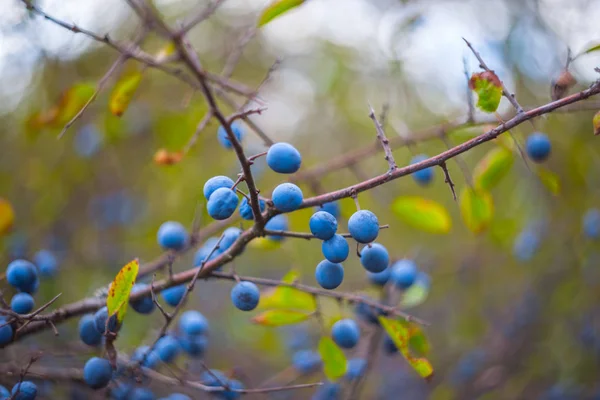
[
  {"x": 201, "y": 125},
  {"x": 201, "y": 16},
  {"x": 307, "y": 236},
  {"x": 389, "y": 157},
  {"x": 448, "y": 179}
]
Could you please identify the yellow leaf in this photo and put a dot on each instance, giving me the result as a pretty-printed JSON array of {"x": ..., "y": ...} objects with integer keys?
[
  {"x": 492, "y": 168},
  {"x": 288, "y": 298},
  {"x": 7, "y": 216},
  {"x": 400, "y": 332},
  {"x": 165, "y": 52},
  {"x": 477, "y": 209},
  {"x": 120, "y": 288},
  {"x": 423, "y": 214},
  {"x": 276, "y": 9},
  {"x": 550, "y": 180},
  {"x": 123, "y": 92},
  {"x": 334, "y": 360},
  {"x": 264, "y": 243},
  {"x": 280, "y": 318},
  {"x": 70, "y": 103}
]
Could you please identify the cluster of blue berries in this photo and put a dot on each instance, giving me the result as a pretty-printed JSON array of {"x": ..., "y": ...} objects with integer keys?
[{"x": 25, "y": 390}]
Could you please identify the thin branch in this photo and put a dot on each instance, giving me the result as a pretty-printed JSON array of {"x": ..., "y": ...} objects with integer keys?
[
  {"x": 307, "y": 236},
  {"x": 389, "y": 157},
  {"x": 198, "y": 18},
  {"x": 448, "y": 179}
]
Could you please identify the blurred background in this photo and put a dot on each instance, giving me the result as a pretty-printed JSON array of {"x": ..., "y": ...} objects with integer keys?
[{"x": 514, "y": 310}]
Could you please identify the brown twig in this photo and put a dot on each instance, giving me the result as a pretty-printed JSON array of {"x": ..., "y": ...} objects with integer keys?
[
  {"x": 307, "y": 236},
  {"x": 389, "y": 157},
  {"x": 448, "y": 179}
]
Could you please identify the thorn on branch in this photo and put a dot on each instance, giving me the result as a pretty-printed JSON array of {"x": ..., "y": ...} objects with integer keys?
[{"x": 448, "y": 179}]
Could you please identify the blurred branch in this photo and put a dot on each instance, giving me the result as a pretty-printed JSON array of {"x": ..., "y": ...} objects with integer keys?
[
  {"x": 201, "y": 16},
  {"x": 385, "y": 143}
]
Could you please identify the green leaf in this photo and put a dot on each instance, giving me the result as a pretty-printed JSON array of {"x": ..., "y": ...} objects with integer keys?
[
  {"x": 423, "y": 214},
  {"x": 494, "y": 166},
  {"x": 280, "y": 318},
  {"x": 417, "y": 292},
  {"x": 400, "y": 332},
  {"x": 590, "y": 49},
  {"x": 418, "y": 342},
  {"x": 334, "y": 360},
  {"x": 123, "y": 92},
  {"x": 550, "y": 180},
  {"x": 488, "y": 88},
  {"x": 276, "y": 9},
  {"x": 120, "y": 288},
  {"x": 477, "y": 209},
  {"x": 288, "y": 298},
  {"x": 596, "y": 123}
]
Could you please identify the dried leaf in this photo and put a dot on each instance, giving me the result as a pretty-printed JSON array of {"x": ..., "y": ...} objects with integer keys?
[
  {"x": 165, "y": 157},
  {"x": 488, "y": 87},
  {"x": 561, "y": 86}
]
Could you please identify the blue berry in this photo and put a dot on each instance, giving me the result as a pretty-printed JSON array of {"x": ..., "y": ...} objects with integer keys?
[
  {"x": 332, "y": 208},
  {"x": 100, "y": 319},
  {"x": 4, "y": 393},
  {"x": 283, "y": 158},
  {"x": 404, "y": 273},
  {"x": 167, "y": 348},
  {"x": 246, "y": 209},
  {"x": 230, "y": 394},
  {"x": 216, "y": 182},
  {"x": 287, "y": 197},
  {"x": 194, "y": 345},
  {"x": 6, "y": 332},
  {"x": 22, "y": 275},
  {"x": 323, "y": 225},
  {"x": 245, "y": 296},
  {"x": 222, "y": 203},
  {"x": 97, "y": 372},
  {"x": 526, "y": 245},
  {"x": 213, "y": 378},
  {"x": 172, "y": 235},
  {"x": 374, "y": 257},
  {"x": 177, "y": 396},
  {"x": 329, "y": 275},
  {"x": 277, "y": 223},
  {"x": 363, "y": 226},
  {"x": 88, "y": 332},
  {"x": 142, "y": 394},
  {"x": 356, "y": 368},
  {"x": 335, "y": 249},
  {"x": 379, "y": 278},
  {"x": 223, "y": 137},
  {"x": 306, "y": 361},
  {"x": 144, "y": 305},
  {"x": 345, "y": 333},
  {"x": 22, "y": 303},
  {"x": 205, "y": 250},
  {"x": 25, "y": 390},
  {"x": 173, "y": 295},
  {"x": 329, "y": 391},
  {"x": 121, "y": 392},
  {"x": 423, "y": 176},
  {"x": 150, "y": 357},
  {"x": 230, "y": 235},
  {"x": 193, "y": 323},
  {"x": 538, "y": 147},
  {"x": 591, "y": 223},
  {"x": 389, "y": 347},
  {"x": 46, "y": 263},
  {"x": 367, "y": 313}
]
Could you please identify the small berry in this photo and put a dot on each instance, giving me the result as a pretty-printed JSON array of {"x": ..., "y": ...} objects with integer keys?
[
  {"x": 97, "y": 372},
  {"x": 223, "y": 137},
  {"x": 214, "y": 377},
  {"x": 367, "y": 313},
  {"x": 141, "y": 393},
  {"x": 423, "y": 176},
  {"x": 245, "y": 296},
  {"x": 345, "y": 333},
  {"x": 306, "y": 361},
  {"x": 22, "y": 275},
  {"x": 230, "y": 394},
  {"x": 177, "y": 396},
  {"x": 283, "y": 158},
  {"x": 389, "y": 347},
  {"x": 591, "y": 223},
  {"x": 6, "y": 332},
  {"x": 277, "y": 223},
  {"x": 335, "y": 249},
  {"x": 323, "y": 225},
  {"x": 206, "y": 249},
  {"x": 363, "y": 226},
  {"x": 150, "y": 358},
  {"x": 25, "y": 390},
  {"x": 404, "y": 272},
  {"x": 287, "y": 197},
  {"x": 332, "y": 208},
  {"x": 195, "y": 345},
  {"x": 538, "y": 147},
  {"x": 88, "y": 332},
  {"x": 329, "y": 391},
  {"x": 246, "y": 209},
  {"x": 329, "y": 275},
  {"x": 230, "y": 235},
  {"x": 356, "y": 368},
  {"x": 144, "y": 305},
  {"x": 4, "y": 393},
  {"x": 526, "y": 245},
  {"x": 46, "y": 263},
  {"x": 167, "y": 348},
  {"x": 22, "y": 303},
  {"x": 216, "y": 182},
  {"x": 172, "y": 235},
  {"x": 379, "y": 278},
  {"x": 222, "y": 203},
  {"x": 193, "y": 323},
  {"x": 173, "y": 295},
  {"x": 100, "y": 319},
  {"x": 374, "y": 257}
]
